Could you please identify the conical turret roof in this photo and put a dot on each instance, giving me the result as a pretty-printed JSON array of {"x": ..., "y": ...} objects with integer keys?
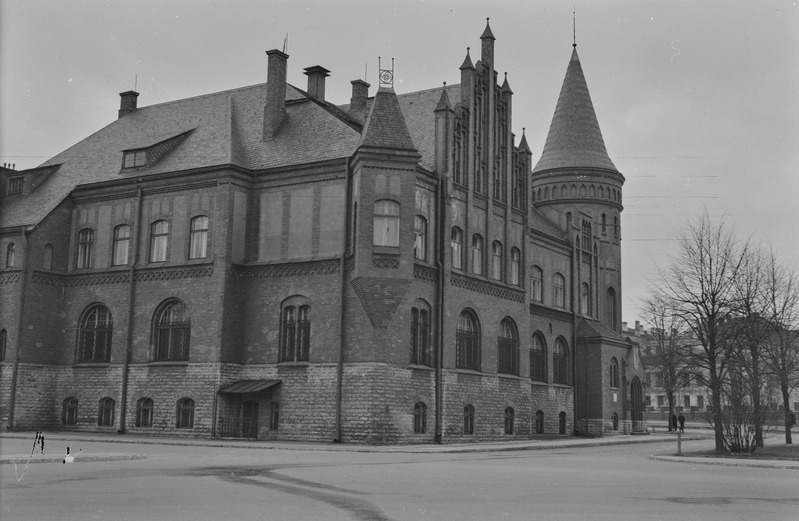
[
  {"x": 574, "y": 138},
  {"x": 385, "y": 125}
]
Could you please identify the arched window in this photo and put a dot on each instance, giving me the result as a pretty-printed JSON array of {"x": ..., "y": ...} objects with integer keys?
[
  {"x": 616, "y": 226},
  {"x": 184, "y": 414},
  {"x": 496, "y": 260},
  {"x": 559, "y": 290},
  {"x": 562, "y": 422},
  {"x": 509, "y": 414},
  {"x": 48, "y": 257},
  {"x": 85, "y": 248},
  {"x": 3, "y": 343},
  {"x": 615, "y": 418},
  {"x": 539, "y": 422},
  {"x": 538, "y": 358},
  {"x": 121, "y": 245},
  {"x": 11, "y": 251},
  {"x": 536, "y": 284},
  {"x": 468, "y": 419},
  {"x": 420, "y": 336},
  {"x": 420, "y": 418},
  {"x": 614, "y": 373},
  {"x": 386, "y": 223},
  {"x": 94, "y": 335},
  {"x": 477, "y": 254},
  {"x": 585, "y": 299},
  {"x": 159, "y": 240},
  {"x": 515, "y": 266},
  {"x": 105, "y": 415},
  {"x": 171, "y": 332},
  {"x": 144, "y": 412},
  {"x": 69, "y": 411},
  {"x": 560, "y": 362},
  {"x": 604, "y": 224},
  {"x": 467, "y": 339},
  {"x": 420, "y": 238},
  {"x": 198, "y": 243},
  {"x": 587, "y": 236},
  {"x": 456, "y": 245},
  {"x": 508, "y": 347},
  {"x": 295, "y": 334},
  {"x": 610, "y": 309}
]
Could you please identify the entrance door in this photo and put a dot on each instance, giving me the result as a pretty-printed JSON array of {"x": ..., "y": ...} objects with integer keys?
[
  {"x": 249, "y": 419},
  {"x": 637, "y": 404}
]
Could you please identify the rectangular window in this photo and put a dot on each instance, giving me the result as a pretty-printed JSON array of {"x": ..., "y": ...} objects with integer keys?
[
  {"x": 121, "y": 245},
  {"x": 515, "y": 266},
  {"x": 135, "y": 159},
  {"x": 477, "y": 254},
  {"x": 420, "y": 238},
  {"x": 199, "y": 238},
  {"x": 420, "y": 337},
  {"x": 559, "y": 291},
  {"x": 457, "y": 248},
  {"x": 15, "y": 185},
  {"x": 85, "y": 248},
  {"x": 661, "y": 401},
  {"x": 386, "y": 223},
  {"x": 159, "y": 239},
  {"x": 537, "y": 284}
]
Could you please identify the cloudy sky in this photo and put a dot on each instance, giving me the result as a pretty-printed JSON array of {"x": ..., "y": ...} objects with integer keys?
[{"x": 698, "y": 101}]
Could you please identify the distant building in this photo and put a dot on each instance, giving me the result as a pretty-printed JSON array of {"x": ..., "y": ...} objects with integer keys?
[{"x": 262, "y": 262}]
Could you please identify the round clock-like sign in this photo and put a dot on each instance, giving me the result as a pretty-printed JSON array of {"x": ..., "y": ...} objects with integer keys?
[{"x": 386, "y": 76}]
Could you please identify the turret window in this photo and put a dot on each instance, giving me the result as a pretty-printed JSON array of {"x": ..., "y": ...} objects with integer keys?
[
  {"x": 456, "y": 246},
  {"x": 420, "y": 238},
  {"x": 386, "y": 223}
]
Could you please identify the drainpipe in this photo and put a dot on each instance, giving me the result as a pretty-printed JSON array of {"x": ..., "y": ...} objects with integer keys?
[
  {"x": 440, "y": 261},
  {"x": 21, "y": 309},
  {"x": 342, "y": 300},
  {"x": 131, "y": 294}
]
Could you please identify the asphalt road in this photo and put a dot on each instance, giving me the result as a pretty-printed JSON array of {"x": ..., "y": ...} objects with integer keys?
[{"x": 204, "y": 483}]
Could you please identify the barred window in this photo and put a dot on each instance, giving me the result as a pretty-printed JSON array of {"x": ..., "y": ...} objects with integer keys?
[
  {"x": 560, "y": 362},
  {"x": 509, "y": 417},
  {"x": 468, "y": 419},
  {"x": 15, "y": 186},
  {"x": 121, "y": 245},
  {"x": 159, "y": 240},
  {"x": 496, "y": 260},
  {"x": 198, "y": 243},
  {"x": 85, "y": 248},
  {"x": 420, "y": 337},
  {"x": 538, "y": 358},
  {"x": 69, "y": 411},
  {"x": 456, "y": 246},
  {"x": 467, "y": 339},
  {"x": 537, "y": 284},
  {"x": 144, "y": 412},
  {"x": 477, "y": 254},
  {"x": 184, "y": 414},
  {"x": 508, "y": 348},
  {"x": 295, "y": 335},
  {"x": 94, "y": 335},
  {"x": 105, "y": 415},
  {"x": 559, "y": 290},
  {"x": 420, "y": 238},
  {"x": 420, "y": 418},
  {"x": 386, "y": 223},
  {"x": 171, "y": 332}
]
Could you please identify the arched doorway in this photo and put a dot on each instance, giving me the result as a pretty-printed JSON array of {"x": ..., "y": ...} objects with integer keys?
[{"x": 637, "y": 404}]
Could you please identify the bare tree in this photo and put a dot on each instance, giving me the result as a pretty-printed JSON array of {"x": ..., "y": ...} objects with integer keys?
[{"x": 698, "y": 283}]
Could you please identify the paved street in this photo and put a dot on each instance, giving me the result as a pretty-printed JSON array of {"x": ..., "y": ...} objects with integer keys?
[{"x": 195, "y": 482}]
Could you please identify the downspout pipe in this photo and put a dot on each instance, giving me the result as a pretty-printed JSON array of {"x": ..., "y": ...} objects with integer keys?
[
  {"x": 131, "y": 296},
  {"x": 20, "y": 311},
  {"x": 342, "y": 299},
  {"x": 440, "y": 261}
]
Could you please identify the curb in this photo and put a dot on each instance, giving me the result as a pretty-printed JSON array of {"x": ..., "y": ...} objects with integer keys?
[
  {"x": 82, "y": 458},
  {"x": 730, "y": 462}
]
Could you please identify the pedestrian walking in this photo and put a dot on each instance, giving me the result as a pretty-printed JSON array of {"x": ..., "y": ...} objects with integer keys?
[
  {"x": 681, "y": 419},
  {"x": 673, "y": 422}
]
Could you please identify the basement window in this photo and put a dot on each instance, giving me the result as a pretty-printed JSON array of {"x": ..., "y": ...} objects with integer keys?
[{"x": 135, "y": 159}]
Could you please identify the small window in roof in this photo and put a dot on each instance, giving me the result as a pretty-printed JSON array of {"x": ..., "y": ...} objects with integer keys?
[
  {"x": 135, "y": 159},
  {"x": 15, "y": 185}
]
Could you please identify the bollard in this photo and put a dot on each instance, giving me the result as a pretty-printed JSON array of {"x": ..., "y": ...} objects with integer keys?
[{"x": 679, "y": 443}]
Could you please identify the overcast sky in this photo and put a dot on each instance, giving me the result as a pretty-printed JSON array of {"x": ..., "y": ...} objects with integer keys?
[{"x": 698, "y": 101}]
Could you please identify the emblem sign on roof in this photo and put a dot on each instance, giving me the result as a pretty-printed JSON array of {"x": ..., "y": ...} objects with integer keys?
[{"x": 386, "y": 75}]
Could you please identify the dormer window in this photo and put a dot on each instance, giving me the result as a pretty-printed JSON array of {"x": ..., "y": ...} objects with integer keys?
[
  {"x": 15, "y": 185},
  {"x": 135, "y": 159}
]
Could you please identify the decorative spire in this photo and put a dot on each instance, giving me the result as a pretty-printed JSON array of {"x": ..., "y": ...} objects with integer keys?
[
  {"x": 467, "y": 62},
  {"x": 443, "y": 102},
  {"x": 523, "y": 146},
  {"x": 505, "y": 89},
  {"x": 487, "y": 33}
]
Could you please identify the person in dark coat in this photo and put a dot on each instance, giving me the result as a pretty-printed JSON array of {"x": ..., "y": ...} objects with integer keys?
[
  {"x": 681, "y": 419},
  {"x": 674, "y": 422}
]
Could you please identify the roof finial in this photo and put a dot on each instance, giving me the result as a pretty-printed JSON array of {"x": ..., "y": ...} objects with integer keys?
[{"x": 574, "y": 27}]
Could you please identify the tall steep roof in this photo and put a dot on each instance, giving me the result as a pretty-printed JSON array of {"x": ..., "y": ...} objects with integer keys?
[
  {"x": 574, "y": 138},
  {"x": 385, "y": 125}
]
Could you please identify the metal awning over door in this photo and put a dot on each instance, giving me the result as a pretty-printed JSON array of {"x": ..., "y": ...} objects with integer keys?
[{"x": 248, "y": 386}]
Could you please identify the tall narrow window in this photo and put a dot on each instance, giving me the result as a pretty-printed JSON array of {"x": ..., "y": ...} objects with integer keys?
[
  {"x": 105, "y": 415},
  {"x": 539, "y": 422},
  {"x": 3, "y": 344},
  {"x": 562, "y": 423},
  {"x": 159, "y": 240},
  {"x": 420, "y": 418},
  {"x": 198, "y": 244},
  {"x": 509, "y": 418},
  {"x": 144, "y": 412},
  {"x": 559, "y": 290},
  {"x": 477, "y": 254},
  {"x": 121, "y": 245},
  {"x": 515, "y": 266},
  {"x": 48, "y": 257},
  {"x": 184, "y": 414},
  {"x": 295, "y": 335},
  {"x": 420, "y": 337},
  {"x": 420, "y": 238},
  {"x": 616, "y": 226},
  {"x": 587, "y": 236},
  {"x": 94, "y": 335},
  {"x": 538, "y": 359},
  {"x": 508, "y": 348},
  {"x": 171, "y": 332},
  {"x": 585, "y": 299},
  {"x": 11, "y": 252},
  {"x": 468, "y": 419},
  {"x": 604, "y": 224},
  {"x": 467, "y": 339},
  {"x": 456, "y": 245},
  {"x": 386, "y": 223},
  {"x": 614, "y": 373},
  {"x": 85, "y": 248},
  {"x": 274, "y": 421},
  {"x": 69, "y": 411},
  {"x": 537, "y": 284},
  {"x": 496, "y": 260},
  {"x": 560, "y": 362},
  {"x": 610, "y": 309}
]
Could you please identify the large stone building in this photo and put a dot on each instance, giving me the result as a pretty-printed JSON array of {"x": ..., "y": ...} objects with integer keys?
[{"x": 263, "y": 262}]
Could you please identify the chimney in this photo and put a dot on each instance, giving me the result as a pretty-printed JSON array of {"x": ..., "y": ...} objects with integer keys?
[
  {"x": 316, "y": 81},
  {"x": 360, "y": 91},
  {"x": 275, "y": 108},
  {"x": 624, "y": 326},
  {"x": 128, "y": 102}
]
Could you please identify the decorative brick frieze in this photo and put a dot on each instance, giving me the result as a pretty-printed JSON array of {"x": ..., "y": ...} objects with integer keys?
[
  {"x": 12, "y": 278},
  {"x": 552, "y": 314},
  {"x": 174, "y": 274},
  {"x": 487, "y": 288},
  {"x": 425, "y": 273},
  {"x": 277, "y": 271},
  {"x": 379, "y": 261}
]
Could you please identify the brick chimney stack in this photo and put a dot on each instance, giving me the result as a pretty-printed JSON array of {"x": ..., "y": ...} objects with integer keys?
[
  {"x": 275, "y": 108},
  {"x": 128, "y": 102},
  {"x": 316, "y": 81},
  {"x": 360, "y": 91}
]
